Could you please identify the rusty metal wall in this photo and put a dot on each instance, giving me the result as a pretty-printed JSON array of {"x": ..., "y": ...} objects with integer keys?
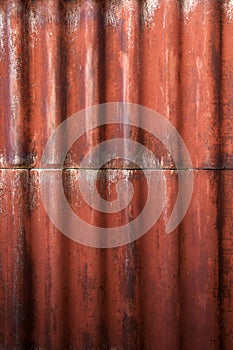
[{"x": 162, "y": 291}]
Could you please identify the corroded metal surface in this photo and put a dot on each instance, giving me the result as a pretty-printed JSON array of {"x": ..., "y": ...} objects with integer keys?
[
  {"x": 56, "y": 293},
  {"x": 58, "y": 57},
  {"x": 163, "y": 291}
]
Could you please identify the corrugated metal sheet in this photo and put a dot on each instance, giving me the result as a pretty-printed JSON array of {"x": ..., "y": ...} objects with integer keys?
[{"x": 162, "y": 291}]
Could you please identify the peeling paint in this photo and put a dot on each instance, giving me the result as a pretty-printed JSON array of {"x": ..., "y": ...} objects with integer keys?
[
  {"x": 73, "y": 16},
  {"x": 148, "y": 8},
  {"x": 228, "y": 8},
  {"x": 34, "y": 21},
  {"x": 112, "y": 13},
  {"x": 15, "y": 60},
  {"x": 189, "y": 6}
]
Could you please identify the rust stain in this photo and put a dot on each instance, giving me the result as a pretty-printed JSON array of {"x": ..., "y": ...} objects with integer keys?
[{"x": 162, "y": 291}]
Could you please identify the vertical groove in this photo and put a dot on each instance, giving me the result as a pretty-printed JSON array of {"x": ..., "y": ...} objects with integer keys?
[
  {"x": 121, "y": 72},
  {"x": 225, "y": 188},
  {"x": 199, "y": 81},
  {"x": 199, "y": 243},
  {"x": 159, "y": 88},
  {"x": 162, "y": 291}
]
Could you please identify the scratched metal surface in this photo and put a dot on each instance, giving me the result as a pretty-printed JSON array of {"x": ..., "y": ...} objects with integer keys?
[{"x": 163, "y": 291}]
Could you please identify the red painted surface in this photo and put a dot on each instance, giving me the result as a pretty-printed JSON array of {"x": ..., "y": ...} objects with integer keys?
[{"x": 163, "y": 291}]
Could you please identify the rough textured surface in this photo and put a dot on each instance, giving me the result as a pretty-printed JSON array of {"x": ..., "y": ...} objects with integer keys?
[
  {"x": 228, "y": 8},
  {"x": 146, "y": 53},
  {"x": 56, "y": 293},
  {"x": 163, "y": 291}
]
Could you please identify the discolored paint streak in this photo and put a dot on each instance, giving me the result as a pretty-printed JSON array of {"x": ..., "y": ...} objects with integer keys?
[{"x": 162, "y": 291}]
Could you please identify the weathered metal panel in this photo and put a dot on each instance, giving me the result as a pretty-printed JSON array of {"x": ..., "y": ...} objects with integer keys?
[
  {"x": 147, "y": 54},
  {"x": 163, "y": 291}
]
